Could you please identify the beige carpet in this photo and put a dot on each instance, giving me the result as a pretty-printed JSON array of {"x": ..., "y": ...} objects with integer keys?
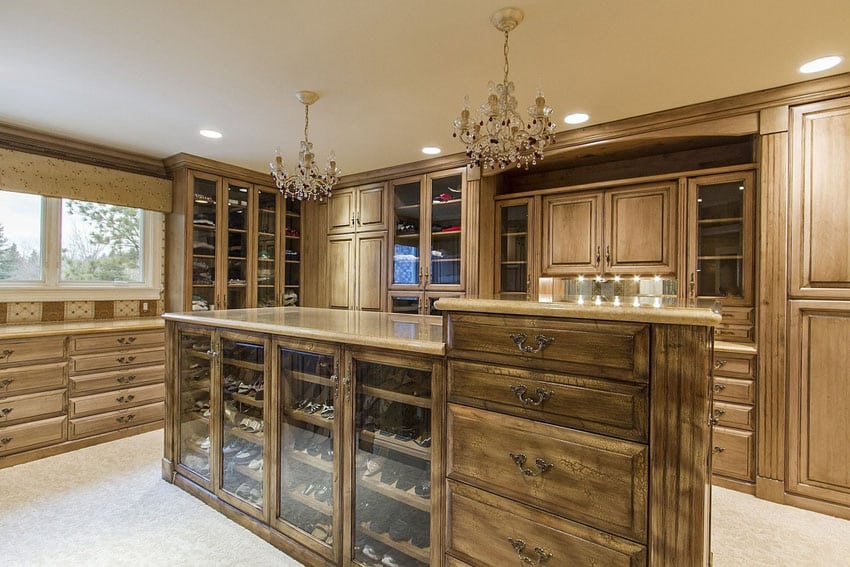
[{"x": 107, "y": 505}]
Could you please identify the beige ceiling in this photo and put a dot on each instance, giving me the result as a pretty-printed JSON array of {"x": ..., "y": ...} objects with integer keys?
[{"x": 146, "y": 75}]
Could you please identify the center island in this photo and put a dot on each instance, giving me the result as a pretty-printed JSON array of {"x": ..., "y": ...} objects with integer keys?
[{"x": 501, "y": 433}]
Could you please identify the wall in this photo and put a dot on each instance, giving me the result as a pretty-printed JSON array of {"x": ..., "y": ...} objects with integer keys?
[{"x": 15, "y": 312}]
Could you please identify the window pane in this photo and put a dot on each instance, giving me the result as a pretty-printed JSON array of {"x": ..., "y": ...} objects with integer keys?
[
  {"x": 20, "y": 237},
  {"x": 101, "y": 243}
]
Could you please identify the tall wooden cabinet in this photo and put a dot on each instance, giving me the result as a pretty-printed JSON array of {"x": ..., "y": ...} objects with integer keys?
[{"x": 517, "y": 243}]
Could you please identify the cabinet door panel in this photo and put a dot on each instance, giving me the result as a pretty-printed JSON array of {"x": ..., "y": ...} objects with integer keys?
[
  {"x": 371, "y": 213},
  {"x": 341, "y": 272},
  {"x": 341, "y": 207},
  {"x": 571, "y": 226},
  {"x": 640, "y": 230},
  {"x": 371, "y": 280}
]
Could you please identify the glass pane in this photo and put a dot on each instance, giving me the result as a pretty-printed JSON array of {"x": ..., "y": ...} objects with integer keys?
[
  {"x": 406, "y": 212},
  {"x": 513, "y": 242},
  {"x": 266, "y": 239},
  {"x": 243, "y": 391},
  {"x": 404, "y": 304},
  {"x": 720, "y": 259},
  {"x": 195, "y": 367},
  {"x": 101, "y": 243},
  {"x": 20, "y": 237},
  {"x": 432, "y": 310},
  {"x": 203, "y": 245},
  {"x": 237, "y": 246},
  {"x": 292, "y": 254},
  {"x": 446, "y": 215},
  {"x": 393, "y": 465},
  {"x": 307, "y": 443}
]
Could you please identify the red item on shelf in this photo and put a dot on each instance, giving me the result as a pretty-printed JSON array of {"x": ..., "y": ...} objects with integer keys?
[{"x": 451, "y": 229}]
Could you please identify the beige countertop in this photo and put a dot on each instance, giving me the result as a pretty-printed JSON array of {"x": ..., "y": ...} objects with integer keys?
[
  {"x": 29, "y": 330},
  {"x": 674, "y": 315},
  {"x": 416, "y": 333}
]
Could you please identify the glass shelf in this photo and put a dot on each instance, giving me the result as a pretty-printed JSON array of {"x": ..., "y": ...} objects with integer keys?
[{"x": 195, "y": 371}]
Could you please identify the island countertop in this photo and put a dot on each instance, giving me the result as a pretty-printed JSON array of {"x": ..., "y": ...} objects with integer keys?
[
  {"x": 673, "y": 315},
  {"x": 416, "y": 333}
]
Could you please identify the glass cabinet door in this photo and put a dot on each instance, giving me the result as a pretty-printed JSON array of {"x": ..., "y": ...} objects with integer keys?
[
  {"x": 292, "y": 254},
  {"x": 392, "y": 460},
  {"x": 407, "y": 246},
  {"x": 204, "y": 225},
  {"x": 194, "y": 367},
  {"x": 237, "y": 246},
  {"x": 514, "y": 276},
  {"x": 266, "y": 252},
  {"x": 446, "y": 200},
  {"x": 401, "y": 302},
  {"x": 307, "y": 444},
  {"x": 242, "y": 419}
]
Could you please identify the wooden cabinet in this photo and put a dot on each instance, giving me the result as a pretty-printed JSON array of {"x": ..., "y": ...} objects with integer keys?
[
  {"x": 417, "y": 303},
  {"x": 516, "y": 248},
  {"x": 630, "y": 230},
  {"x": 356, "y": 271},
  {"x": 357, "y": 209}
]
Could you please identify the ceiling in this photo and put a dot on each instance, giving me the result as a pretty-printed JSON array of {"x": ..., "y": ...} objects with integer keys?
[{"x": 145, "y": 76}]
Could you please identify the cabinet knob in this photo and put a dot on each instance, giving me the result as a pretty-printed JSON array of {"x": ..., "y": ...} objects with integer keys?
[
  {"x": 5, "y": 383},
  {"x": 125, "y": 359},
  {"x": 5, "y": 411},
  {"x": 5, "y": 440},
  {"x": 6, "y": 353},
  {"x": 126, "y": 340},
  {"x": 718, "y": 450},
  {"x": 719, "y": 387},
  {"x": 718, "y": 364},
  {"x": 125, "y": 399},
  {"x": 126, "y": 379},
  {"x": 125, "y": 418},
  {"x": 540, "y": 554}
]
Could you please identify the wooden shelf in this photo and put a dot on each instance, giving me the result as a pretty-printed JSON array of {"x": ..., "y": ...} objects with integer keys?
[
  {"x": 203, "y": 226},
  {"x": 374, "y": 484},
  {"x": 514, "y": 234},
  {"x": 237, "y": 230},
  {"x": 312, "y": 378},
  {"x": 408, "y": 235},
  {"x": 293, "y": 215},
  {"x": 446, "y": 233},
  {"x": 203, "y": 285},
  {"x": 292, "y": 261},
  {"x": 412, "y": 207},
  {"x": 207, "y": 256},
  {"x": 444, "y": 203},
  {"x": 311, "y": 418},
  {"x": 722, "y": 257},
  {"x": 396, "y": 397},
  {"x": 308, "y": 500},
  {"x": 419, "y": 553},
  {"x": 443, "y": 260},
  {"x": 255, "y": 438},
  {"x": 727, "y": 220},
  {"x": 250, "y": 473},
  {"x": 390, "y": 442},
  {"x": 307, "y": 459},
  {"x": 513, "y": 262},
  {"x": 243, "y": 364},
  {"x": 247, "y": 400}
]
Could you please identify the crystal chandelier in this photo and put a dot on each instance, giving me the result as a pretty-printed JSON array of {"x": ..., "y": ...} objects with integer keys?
[
  {"x": 498, "y": 134},
  {"x": 306, "y": 182}
]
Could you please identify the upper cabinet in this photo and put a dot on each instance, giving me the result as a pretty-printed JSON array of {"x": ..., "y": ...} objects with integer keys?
[
  {"x": 357, "y": 209},
  {"x": 516, "y": 244},
  {"x": 630, "y": 230},
  {"x": 820, "y": 200}
]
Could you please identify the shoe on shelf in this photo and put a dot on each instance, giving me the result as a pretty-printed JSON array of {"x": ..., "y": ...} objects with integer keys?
[
  {"x": 205, "y": 444},
  {"x": 423, "y": 489},
  {"x": 370, "y": 552},
  {"x": 389, "y": 561},
  {"x": 256, "y": 464},
  {"x": 373, "y": 466}
]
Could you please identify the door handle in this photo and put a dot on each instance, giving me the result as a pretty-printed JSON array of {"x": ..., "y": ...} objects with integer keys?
[
  {"x": 608, "y": 255},
  {"x": 598, "y": 256}
]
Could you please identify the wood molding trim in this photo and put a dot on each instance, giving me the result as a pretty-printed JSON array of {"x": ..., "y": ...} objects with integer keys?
[
  {"x": 189, "y": 161},
  {"x": 475, "y": 223}
]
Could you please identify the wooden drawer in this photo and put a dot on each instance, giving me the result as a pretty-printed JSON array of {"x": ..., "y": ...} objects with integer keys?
[
  {"x": 591, "y": 404},
  {"x": 599, "y": 481},
  {"x": 88, "y": 383},
  {"x": 116, "y": 360},
  {"x": 111, "y": 421},
  {"x": 15, "y": 438},
  {"x": 733, "y": 415},
  {"x": 43, "y": 349},
  {"x": 26, "y": 378},
  {"x": 614, "y": 350},
  {"x": 486, "y": 530},
  {"x": 734, "y": 390},
  {"x": 108, "y": 401},
  {"x": 735, "y": 333},
  {"x": 31, "y": 405},
  {"x": 117, "y": 341},
  {"x": 734, "y": 365},
  {"x": 732, "y": 453},
  {"x": 738, "y": 315}
]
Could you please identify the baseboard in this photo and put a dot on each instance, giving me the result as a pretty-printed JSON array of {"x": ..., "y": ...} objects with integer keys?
[{"x": 733, "y": 484}]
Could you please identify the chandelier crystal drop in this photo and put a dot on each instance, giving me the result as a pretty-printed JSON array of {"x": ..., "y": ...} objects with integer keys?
[
  {"x": 498, "y": 135},
  {"x": 306, "y": 182}
]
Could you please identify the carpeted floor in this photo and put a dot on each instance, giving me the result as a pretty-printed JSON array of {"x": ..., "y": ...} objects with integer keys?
[{"x": 107, "y": 505}]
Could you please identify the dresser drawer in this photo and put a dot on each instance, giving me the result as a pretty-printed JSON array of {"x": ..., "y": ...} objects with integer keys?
[
  {"x": 117, "y": 341},
  {"x": 111, "y": 421},
  {"x": 734, "y": 390},
  {"x": 486, "y": 530},
  {"x": 733, "y": 415},
  {"x": 31, "y": 405},
  {"x": 108, "y": 401},
  {"x": 732, "y": 453},
  {"x": 40, "y": 377},
  {"x": 591, "y": 404},
  {"x": 734, "y": 365},
  {"x": 87, "y": 383},
  {"x": 735, "y": 333},
  {"x": 616, "y": 350},
  {"x": 42, "y": 349},
  {"x": 599, "y": 481},
  {"x": 116, "y": 360},
  {"x": 738, "y": 315},
  {"x": 15, "y": 438}
]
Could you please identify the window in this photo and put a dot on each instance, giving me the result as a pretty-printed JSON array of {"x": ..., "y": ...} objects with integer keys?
[{"x": 65, "y": 249}]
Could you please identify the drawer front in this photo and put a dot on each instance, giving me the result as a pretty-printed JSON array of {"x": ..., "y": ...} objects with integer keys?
[
  {"x": 735, "y": 333},
  {"x": 591, "y": 404},
  {"x": 738, "y": 315},
  {"x": 734, "y": 365},
  {"x": 31, "y": 405},
  {"x": 117, "y": 379},
  {"x": 43, "y": 349},
  {"x": 108, "y": 401},
  {"x": 732, "y": 453},
  {"x": 616, "y": 350},
  {"x": 111, "y": 421},
  {"x": 116, "y": 360},
  {"x": 487, "y": 530},
  {"x": 734, "y": 390},
  {"x": 733, "y": 415},
  {"x": 15, "y": 438},
  {"x": 117, "y": 341},
  {"x": 599, "y": 481},
  {"x": 41, "y": 377}
]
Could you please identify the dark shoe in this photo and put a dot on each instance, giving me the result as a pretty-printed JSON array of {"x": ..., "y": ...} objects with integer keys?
[
  {"x": 400, "y": 530},
  {"x": 422, "y": 535},
  {"x": 322, "y": 494},
  {"x": 407, "y": 479},
  {"x": 423, "y": 489},
  {"x": 390, "y": 473}
]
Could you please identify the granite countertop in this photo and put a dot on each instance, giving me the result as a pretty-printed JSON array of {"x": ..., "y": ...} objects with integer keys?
[
  {"x": 674, "y": 315},
  {"x": 415, "y": 333},
  {"x": 29, "y": 330}
]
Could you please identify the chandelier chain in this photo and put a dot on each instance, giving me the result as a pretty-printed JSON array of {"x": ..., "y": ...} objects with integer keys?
[
  {"x": 507, "y": 64},
  {"x": 306, "y": 121}
]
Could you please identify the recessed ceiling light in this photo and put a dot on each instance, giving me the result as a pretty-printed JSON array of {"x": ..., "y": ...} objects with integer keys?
[
  {"x": 821, "y": 64},
  {"x": 214, "y": 134},
  {"x": 576, "y": 118},
  {"x": 431, "y": 150}
]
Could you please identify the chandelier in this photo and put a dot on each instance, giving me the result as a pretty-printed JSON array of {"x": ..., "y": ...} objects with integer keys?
[
  {"x": 498, "y": 134},
  {"x": 306, "y": 182}
]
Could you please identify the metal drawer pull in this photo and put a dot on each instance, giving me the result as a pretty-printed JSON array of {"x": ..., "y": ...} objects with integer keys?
[
  {"x": 6, "y": 382},
  {"x": 6, "y": 353},
  {"x": 519, "y": 547},
  {"x": 542, "y": 395},
  {"x": 125, "y": 418},
  {"x": 125, "y": 399},
  {"x": 718, "y": 364},
  {"x": 125, "y": 359},
  {"x": 719, "y": 387},
  {"x": 126, "y": 341},
  {"x": 713, "y": 421},
  {"x": 542, "y": 342},
  {"x": 718, "y": 413},
  {"x": 5, "y": 441},
  {"x": 126, "y": 379},
  {"x": 5, "y": 411},
  {"x": 718, "y": 449},
  {"x": 542, "y": 466}
]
